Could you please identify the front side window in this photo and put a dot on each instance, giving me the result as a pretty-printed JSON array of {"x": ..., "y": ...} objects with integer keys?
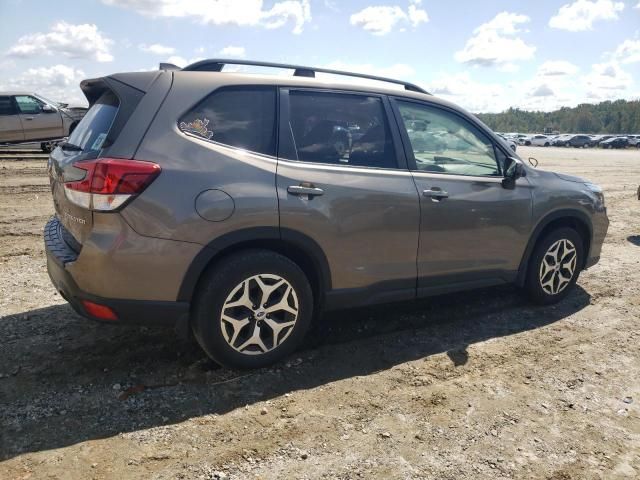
[
  {"x": 442, "y": 142},
  {"x": 28, "y": 104},
  {"x": 340, "y": 129},
  {"x": 6, "y": 106},
  {"x": 242, "y": 117}
]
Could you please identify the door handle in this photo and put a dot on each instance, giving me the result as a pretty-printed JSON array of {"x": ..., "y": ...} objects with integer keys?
[
  {"x": 435, "y": 194},
  {"x": 310, "y": 191},
  {"x": 28, "y": 118}
]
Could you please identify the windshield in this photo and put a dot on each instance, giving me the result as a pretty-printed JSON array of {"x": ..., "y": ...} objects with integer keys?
[
  {"x": 91, "y": 132},
  {"x": 47, "y": 101}
]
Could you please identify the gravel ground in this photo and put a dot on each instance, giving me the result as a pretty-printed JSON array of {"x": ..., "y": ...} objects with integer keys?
[{"x": 465, "y": 386}]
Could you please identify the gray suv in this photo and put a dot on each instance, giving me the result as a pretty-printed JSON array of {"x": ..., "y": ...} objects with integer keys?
[{"x": 243, "y": 205}]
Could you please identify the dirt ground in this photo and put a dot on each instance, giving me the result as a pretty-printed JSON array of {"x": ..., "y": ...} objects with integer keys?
[{"x": 465, "y": 386}]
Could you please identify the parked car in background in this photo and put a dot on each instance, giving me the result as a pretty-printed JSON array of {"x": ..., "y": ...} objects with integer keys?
[
  {"x": 539, "y": 141},
  {"x": 560, "y": 140},
  {"x": 633, "y": 140},
  {"x": 615, "y": 142},
  {"x": 578, "y": 141},
  {"x": 273, "y": 222},
  {"x": 28, "y": 117},
  {"x": 512, "y": 145}
]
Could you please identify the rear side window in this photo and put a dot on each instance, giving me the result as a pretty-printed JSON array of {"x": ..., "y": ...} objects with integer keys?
[
  {"x": 91, "y": 132},
  {"x": 6, "y": 106},
  {"x": 342, "y": 129},
  {"x": 242, "y": 117}
]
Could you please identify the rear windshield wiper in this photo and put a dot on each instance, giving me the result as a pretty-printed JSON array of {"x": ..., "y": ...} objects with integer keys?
[{"x": 70, "y": 146}]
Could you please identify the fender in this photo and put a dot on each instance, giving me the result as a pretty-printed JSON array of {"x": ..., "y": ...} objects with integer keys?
[
  {"x": 267, "y": 237},
  {"x": 537, "y": 231}
]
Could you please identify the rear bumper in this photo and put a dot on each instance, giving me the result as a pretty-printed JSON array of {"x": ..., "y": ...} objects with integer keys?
[{"x": 142, "y": 312}]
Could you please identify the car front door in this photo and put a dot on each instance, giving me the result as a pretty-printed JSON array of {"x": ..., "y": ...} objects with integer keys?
[
  {"x": 473, "y": 230},
  {"x": 10, "y": 126},
  {"x": 37, "y": 123},
  {"x": 343, "y": 183}
]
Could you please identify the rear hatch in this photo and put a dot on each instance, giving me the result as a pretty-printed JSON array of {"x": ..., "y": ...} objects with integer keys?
[{"x": 91, "y": 146}]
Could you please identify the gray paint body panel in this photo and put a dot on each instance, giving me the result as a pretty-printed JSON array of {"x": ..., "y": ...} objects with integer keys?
[{"x": 376, "y": 230}]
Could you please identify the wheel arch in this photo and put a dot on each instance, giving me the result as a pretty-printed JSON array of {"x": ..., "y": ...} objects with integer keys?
[
  {"x": 299, "y": 248},
  {"x": 575, "y": 219}
]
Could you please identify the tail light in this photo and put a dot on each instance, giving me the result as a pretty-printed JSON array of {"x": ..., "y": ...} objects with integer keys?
[{"x": 110, "y": 182}]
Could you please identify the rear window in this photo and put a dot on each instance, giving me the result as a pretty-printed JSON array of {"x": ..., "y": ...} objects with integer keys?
[
  {"x": 242, "y": 117},
  {"x": 91, "y": 132}
]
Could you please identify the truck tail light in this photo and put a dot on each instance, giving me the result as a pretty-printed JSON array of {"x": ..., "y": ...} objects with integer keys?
[{"x": 110, "y": 182}]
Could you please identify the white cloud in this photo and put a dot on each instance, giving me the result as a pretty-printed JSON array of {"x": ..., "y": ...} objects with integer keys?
[
  {"x": 381, "y": 20},
  {"x": 246, "y": 13},
  {"x": 495, "y": 42},
  {"x": 461, "y": 89},
  {"x": 73, "y": 41},
  {"x": 607, "y": 81},
  {"x": 233, "y": 51},
  {"x": 555, "y": 68},
  {"x": 543, "y": 90},
  {"x": 59, "y": 83},
  {"x": 628, "y": 51},
  {"x": 157, "y": 49},
  {"x": 581, "y": 14}
]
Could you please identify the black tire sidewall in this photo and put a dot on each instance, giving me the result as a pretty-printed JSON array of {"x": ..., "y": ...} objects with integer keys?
[
  {"x": 532, "y": 285},
  {"x": 216, "y": 286}
]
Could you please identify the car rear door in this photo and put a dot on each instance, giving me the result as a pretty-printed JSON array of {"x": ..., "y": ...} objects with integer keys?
[
  {"x": 473, "y": 231},
  {"x": 342, "y": 183},
  {"x": 38, "y": 124},
  {"x": 10, "y": 125}
]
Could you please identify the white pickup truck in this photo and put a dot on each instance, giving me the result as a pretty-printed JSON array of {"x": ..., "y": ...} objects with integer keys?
[{"x": 28, "y": 117}]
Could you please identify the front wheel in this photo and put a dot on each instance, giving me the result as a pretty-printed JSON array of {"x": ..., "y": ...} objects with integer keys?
[
  {"x": 252, "y": 309},
  {"x": 554, "y": 266}
]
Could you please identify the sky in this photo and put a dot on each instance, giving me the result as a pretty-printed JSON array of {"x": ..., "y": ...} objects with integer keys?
[{"x": 485, "y": 56}]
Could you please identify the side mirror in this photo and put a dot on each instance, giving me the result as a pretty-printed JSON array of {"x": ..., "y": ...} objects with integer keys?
[
  {"x": 48, "y": 109},
  {"x": 513, "y": 170}
]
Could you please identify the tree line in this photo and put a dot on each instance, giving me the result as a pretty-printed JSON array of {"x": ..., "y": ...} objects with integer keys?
[{"x": 620, "y": 116}]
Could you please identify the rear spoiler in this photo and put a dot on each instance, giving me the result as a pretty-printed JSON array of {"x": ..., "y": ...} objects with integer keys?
[{"x": 168, "y": 66}]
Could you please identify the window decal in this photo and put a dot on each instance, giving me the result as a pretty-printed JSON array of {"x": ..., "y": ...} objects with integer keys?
[{"x": 197, "y": 127}]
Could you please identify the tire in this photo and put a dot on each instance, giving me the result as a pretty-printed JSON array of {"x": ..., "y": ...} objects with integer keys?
[
  {"x": 546, "y": 144},
  {"x": 527, "y": 144},
  {"x": 540, "y": 285},
  {"x": 223, "y": 290},
  {"x": 46, "y": 147}
]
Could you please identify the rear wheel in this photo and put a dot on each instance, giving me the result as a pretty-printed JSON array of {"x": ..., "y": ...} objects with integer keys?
[
  {"x": 252, "y": 309},
  {"x": 554, "y": 266}
]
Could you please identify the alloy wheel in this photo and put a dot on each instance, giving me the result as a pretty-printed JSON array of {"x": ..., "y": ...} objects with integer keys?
[
  {"x": 259, "y": 314},
  {"x": 558, "y": 266}
]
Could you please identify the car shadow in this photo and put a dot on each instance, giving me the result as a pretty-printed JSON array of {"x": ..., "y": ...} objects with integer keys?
[{"x": 67, "y": 380}]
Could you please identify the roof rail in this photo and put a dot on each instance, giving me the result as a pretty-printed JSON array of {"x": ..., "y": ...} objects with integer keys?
[{"x": 216, "y": 65}]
